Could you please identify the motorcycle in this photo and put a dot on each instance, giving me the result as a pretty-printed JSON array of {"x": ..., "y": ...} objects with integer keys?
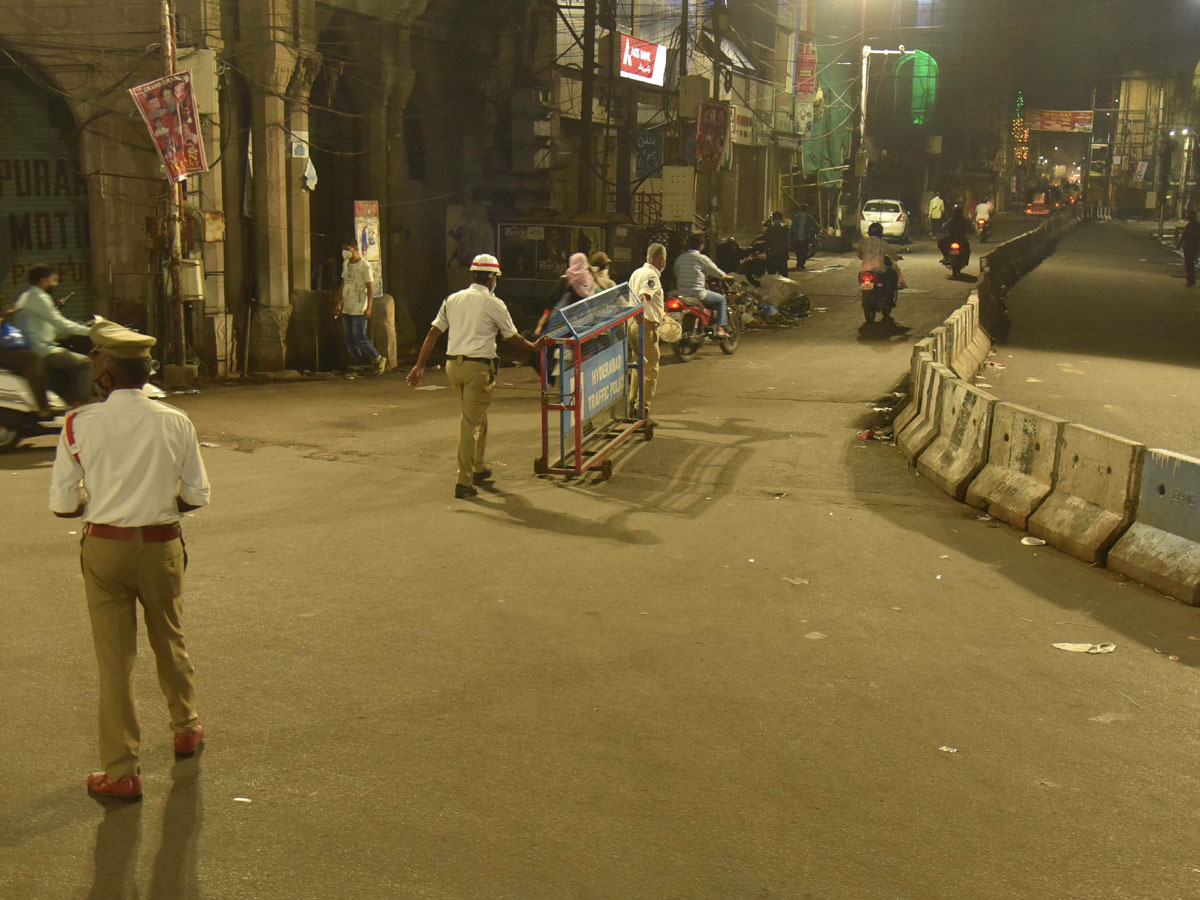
[
  {"x": 750, "y": 262},
  {"x": 984, "y": 227},
  {"x": 958, "y": 254},
  {"x": 877, "y": 290},
  {"x": 699, "y": 324}
]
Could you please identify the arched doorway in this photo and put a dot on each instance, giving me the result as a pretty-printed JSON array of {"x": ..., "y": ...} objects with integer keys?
[{"x": 43, "y": 192}]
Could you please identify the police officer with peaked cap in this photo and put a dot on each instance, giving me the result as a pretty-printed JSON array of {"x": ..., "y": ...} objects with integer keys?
[{"x": 130, "y": 467}]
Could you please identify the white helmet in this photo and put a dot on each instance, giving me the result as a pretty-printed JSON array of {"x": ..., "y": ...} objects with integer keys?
[{"x": 485, "y": 262}]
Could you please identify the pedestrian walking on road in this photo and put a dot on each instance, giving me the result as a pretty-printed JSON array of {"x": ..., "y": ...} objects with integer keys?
[
  {"x": 1189, "y": 243},
  {"x": 778, "y": 239},
  {"x": 473, "y": 317},
  {"x": 937, "y": 211},
  {"x": 806, "y": 233},
  {"x": 599, "y": 264},
  {"x": 355, "y": 297},
  {"x": 130, "y": 467},
  {"x": 645, "y": 284}
]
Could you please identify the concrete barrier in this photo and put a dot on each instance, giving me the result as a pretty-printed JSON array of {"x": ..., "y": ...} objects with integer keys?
[
  {"x": 1022, "y": 457},
  {"x": 981, "y": 343},
  {"x": 1162, "y": 547},
  {"x": 1095, "y": 492},
  {"x": 922, "y": 354},
  {"x": 964, "y": 366},
  {"x": 941, "y": 342},
  {"x": 924, "y": 428},
  {"x": 959, "y": 451}
]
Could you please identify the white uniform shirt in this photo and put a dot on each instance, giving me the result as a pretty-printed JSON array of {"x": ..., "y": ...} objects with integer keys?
[
  {"x": 473, "y": 317},
  {"x": 135, "y": 455},
  {"x": 356, "y": 275},
  {"x": 646, "y": 285},
  {"x": 984, "y": 211}
]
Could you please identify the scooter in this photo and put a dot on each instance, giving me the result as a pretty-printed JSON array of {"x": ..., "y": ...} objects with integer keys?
[
  {"x": 958, "y": 254},
  {"x": 984, "y": 227},
  {"x": 877, "y": 290},
  {"x": 699, "y": 326},
  {"x": 18, "y": 410}
]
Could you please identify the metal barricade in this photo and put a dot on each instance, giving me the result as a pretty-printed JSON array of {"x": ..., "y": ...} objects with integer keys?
[{"x": 589, "y": 377}]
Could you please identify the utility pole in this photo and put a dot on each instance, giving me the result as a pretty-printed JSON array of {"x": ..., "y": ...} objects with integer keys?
[
  {"x": 683, "y": 41},
  {"x": 585, "y": 114},
  {"x": 629, "y": 115},
  {"x": 175, "y": 194},
  {"x": 856, "y": 135}
]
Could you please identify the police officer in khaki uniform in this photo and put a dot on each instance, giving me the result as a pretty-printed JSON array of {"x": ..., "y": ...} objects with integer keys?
[
  {"x": 645, "y": 284},
  {"x": 473, "y": 317},
  {"x": 130, "y": 467}
]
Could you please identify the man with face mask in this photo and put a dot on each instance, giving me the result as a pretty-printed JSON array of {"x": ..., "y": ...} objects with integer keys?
[
  {"x": 43, "y": 325},
  {"x": 131, "y": 467},
  {"x": 354, "y": 305}
]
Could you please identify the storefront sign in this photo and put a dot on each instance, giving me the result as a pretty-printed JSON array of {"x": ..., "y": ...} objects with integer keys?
[
  {"x": 168, "y": 108},
  {"x": 712, "y": 133},
  {"x": 366, "y": 235},
  {"x": 743, "y": 125},
  {"x": 643, "y": 61},
  {"x": 1076, "y": 121},
  {"x": 806, "y": 70},
  {"x": 649, "y": 144}
]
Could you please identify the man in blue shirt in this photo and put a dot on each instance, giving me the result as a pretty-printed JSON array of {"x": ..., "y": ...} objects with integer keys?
[
  {"x": 692, "y": 271},
  {"x": 43, "y": 326}
]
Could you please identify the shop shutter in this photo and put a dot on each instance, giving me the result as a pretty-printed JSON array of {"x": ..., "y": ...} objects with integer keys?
[{"x": 43, "y": 193}]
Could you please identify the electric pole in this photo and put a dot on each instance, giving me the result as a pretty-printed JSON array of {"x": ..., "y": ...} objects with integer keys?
[
  {"x": 629, "y": 114},
  {"x": 683, "y": 42},
  {"x": 175, "y": 194},
  {"x": 585, "y": 114}
]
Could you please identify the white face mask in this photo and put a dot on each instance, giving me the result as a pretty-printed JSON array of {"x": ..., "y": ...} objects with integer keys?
[{"x": 346, "y": 254}]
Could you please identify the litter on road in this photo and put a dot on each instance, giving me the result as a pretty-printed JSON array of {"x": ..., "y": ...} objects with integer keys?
[
  {"x": 946, "y": 749},
  {"x": 1033, "y": 381},
  {"x": 1033, "y": 542},
  {"x": 796, "y": 580},
  {"x": 1087, "y": 648},
  {"x": 432, "y": 387},
  {"x": 208, "y": 444},
  {"x": 866, "y": 435}
]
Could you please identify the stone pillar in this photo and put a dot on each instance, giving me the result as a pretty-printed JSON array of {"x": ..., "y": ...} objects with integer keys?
[
  {"x": 270, "y": 68},
  {"x": 308, "y": 65}
]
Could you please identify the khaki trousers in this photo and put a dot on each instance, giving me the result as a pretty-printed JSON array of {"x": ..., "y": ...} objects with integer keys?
[
  {"x": 474, "y": 383},
  {"x": 650, "y": 360},
  {"x": 116, "y": 575}
]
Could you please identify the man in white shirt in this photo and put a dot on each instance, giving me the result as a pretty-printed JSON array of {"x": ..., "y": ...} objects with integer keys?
[
  {"x": 937, "y": 211},
  {"x": 473, "y": 317},
  {"x": 44, "y": 326},
  {"x": 130, "y": 467},
  {"x": 354, "y": 305},
  {"x": 984, "y": 210},
  {"x": 645, "y": 284}
]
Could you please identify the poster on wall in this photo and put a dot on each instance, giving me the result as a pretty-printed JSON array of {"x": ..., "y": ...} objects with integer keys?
[
  {"x": 168, "y": 107},
  {"x": 540, "y": 252},
  {"x": 806, "y": 69},
  {"x": 712, "y": 133},
  {"x": 366, "y": 236},
  {"x": 649, "y": 146}
]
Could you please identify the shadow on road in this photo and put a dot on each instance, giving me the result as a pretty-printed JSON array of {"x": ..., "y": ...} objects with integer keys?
[
  {"x": 176, "y": 870},
  {"x": 27, "y": 457},
  {"x": 882, "y": 331},
  {"x": 514, "y": 509},
  {"x": 117, "y": 839}
]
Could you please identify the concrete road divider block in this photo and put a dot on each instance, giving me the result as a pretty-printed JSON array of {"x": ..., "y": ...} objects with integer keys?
[
  {"x": 1162, "y": 547},
  {"x": 980, "y": 344},
  {"x": 924, "y": 428},
  {"x": 964, "y": 366},
  {"x": 1022, "y": 457},
  {"x": 922, "y": 356},
  {"x": 1095, "y": 492},
  {"x": 959, "y": 451},
  {"x": 941, "y": 345}
]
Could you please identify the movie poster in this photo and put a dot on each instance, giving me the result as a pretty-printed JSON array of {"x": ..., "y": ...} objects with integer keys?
[{"x": 168, "y": 108}]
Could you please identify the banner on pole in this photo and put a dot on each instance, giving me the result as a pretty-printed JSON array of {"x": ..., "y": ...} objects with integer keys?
[
  {"x": 366, "y": 235},
  {"x": 168, "y": 107},
  {"x": 806, "y": 70},
  {"x": 1074, "y": 121},
  {"x": 712, "y": 133}
]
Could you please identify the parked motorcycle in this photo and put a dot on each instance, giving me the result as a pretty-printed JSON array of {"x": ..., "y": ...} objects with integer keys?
[
  {"x": 699, "y": 324},
  {"x": 751, "y": 262}
]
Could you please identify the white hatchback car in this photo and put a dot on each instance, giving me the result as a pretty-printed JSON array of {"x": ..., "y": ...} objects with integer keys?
[{"x": 891, "y": 214}]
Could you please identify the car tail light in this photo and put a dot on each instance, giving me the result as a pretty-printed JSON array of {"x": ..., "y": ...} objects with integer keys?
[
  {"x": 900, "y": 217},
  {"x": 674, "y": 304},
  {"x": 956, "y": 246},
  {"x": 864, "y": 216}
]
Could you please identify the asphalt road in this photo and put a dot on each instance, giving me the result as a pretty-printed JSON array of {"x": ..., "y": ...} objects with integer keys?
[
  {"x": 735, "y": 670},
  {"x": 1106, "y": 332}
]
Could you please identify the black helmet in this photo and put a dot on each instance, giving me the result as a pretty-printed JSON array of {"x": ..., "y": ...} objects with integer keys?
[{"x": 875, "y": 229}]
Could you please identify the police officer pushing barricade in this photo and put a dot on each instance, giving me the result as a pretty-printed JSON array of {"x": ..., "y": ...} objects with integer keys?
[
  {"x": 130, "y": 466},
  {"x": 473, "y": 317}
]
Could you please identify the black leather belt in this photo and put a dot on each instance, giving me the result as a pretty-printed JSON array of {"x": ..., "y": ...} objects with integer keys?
[{"x": 461, "y": 359}]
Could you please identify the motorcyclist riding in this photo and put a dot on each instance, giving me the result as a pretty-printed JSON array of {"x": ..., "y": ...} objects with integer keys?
[
  {"x": 692, "y": 269},
  {"x": 956, "y": 229},
  {"x": 43, "y": 325},
  {"x": 983, "y": 211},
  {"x": 875, "y": 259}
]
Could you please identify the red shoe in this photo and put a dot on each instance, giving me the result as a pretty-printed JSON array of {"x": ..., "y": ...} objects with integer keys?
[
  {"x": 127, "y": 788},
  {"x": 186, "y": 744}
]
